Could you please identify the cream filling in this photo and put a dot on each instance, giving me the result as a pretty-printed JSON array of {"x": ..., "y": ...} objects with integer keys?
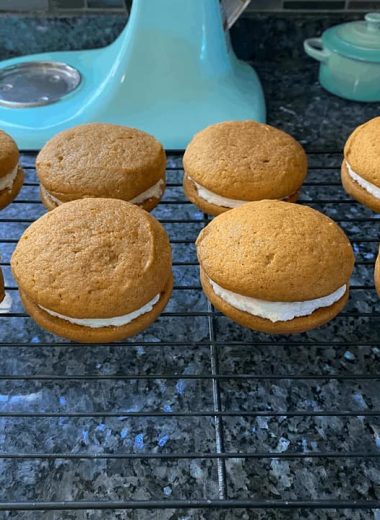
[
  {"x": 154, "y": 191},
  {"x": 52, "y": 198},
  {"x": 97, "y": 323},
  {"x": 218, "y": 200},
  {"x": 6, "y": 304},
  {"x": 368, "y": 186},
  {"x": 276, "y": 311},
  {"x": 8, "y": 180}
]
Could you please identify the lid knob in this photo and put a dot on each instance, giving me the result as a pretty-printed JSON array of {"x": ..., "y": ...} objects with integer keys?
[{"x": 373, "y": 21}]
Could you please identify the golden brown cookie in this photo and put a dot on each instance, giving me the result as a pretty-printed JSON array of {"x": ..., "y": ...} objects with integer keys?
[
  {"x": 361, "y": 164},
  {"x": 377, "y": 274},
  {"x": 266, "y": 263},
  {"x": 231, "y": 163},
  {"x": 102, "y": 160},
  {"x": 11, "y": 174},
  {"x": 94, "y": 259}
]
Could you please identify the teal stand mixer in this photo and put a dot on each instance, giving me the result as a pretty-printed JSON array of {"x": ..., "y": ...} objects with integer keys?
[{"x": 171, "y": 72}]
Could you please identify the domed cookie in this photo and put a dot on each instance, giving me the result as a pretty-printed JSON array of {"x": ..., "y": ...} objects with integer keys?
[
  {"x": 102, "y": 160},
  {"x": 361, "y": 164},
  {"x": 94, "y": 270},
  {"x": 232, "y": 163},
  {"x": 275, "y": 267},
  {"x": 11, "y": 174}
]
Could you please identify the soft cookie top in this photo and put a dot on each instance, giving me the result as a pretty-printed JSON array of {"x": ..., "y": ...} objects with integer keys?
[
  {"x": 276, "y": 251},
  {"x": 97, "y": 258},
  {"x": 9, "y": 154},
  {"x": 100, "y": 160},
  {"x": 362, "y": 151},
  {"x": 246, "y": 160}
]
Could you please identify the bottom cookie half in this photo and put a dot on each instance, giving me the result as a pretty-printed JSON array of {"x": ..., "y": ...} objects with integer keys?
[
  {"x": 50, "y": 204},
  {"x": 295, "y": 326},
  {"x": 357, "y": 192},
  {"x": 191, "y": 193},
  {"x": 81, "y": 334}
]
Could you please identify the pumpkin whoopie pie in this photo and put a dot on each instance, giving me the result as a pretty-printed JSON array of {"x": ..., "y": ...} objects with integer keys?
[
  {"x": 94, "y": 270},
  {"x": 275, "y": 267},
  {"x": 229, "y": 164},
  {"x": 102, "y": 160},
  {"x": 11, "y": 174},
  {"x": 361, "y": 164}
]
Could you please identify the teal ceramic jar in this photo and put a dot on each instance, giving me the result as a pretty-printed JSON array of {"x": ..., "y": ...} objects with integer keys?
[{"x": 350, "y": 58}]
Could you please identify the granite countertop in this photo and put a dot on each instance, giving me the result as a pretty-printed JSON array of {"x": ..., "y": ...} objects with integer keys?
[{"x": 347, "y": 347}]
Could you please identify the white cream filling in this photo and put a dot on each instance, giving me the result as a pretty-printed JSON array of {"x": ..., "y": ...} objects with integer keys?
[
  {"x": 52, "y": 198},
  {"x": 276, "y": 311},
  {"x": 6, "y": 304},
  {"x": 8, "y": 180},
  {"x": 97, "y": 323},
  {"x": 368, "y": 186},
  {"x": 218, "y": 200},
  {"x": 154, "y": 191}
]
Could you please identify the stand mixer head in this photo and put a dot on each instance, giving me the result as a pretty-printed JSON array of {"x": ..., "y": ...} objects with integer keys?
[{"x": 171, "y": 72}]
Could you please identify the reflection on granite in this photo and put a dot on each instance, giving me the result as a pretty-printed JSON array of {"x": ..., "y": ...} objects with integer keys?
[
  {"x": 108, "y": 479},
  {"x": 260, "y": 37},
  {"x": 52, "y": 34},
  {"x": 297, "y": 104},
  {"x": 132, "y": 376}
]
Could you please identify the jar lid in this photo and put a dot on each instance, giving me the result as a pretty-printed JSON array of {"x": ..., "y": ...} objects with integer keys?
[{"x": 359, "y": 40}]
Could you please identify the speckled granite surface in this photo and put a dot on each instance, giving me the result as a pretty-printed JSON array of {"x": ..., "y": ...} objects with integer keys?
[{"x": 101, "y": 381}]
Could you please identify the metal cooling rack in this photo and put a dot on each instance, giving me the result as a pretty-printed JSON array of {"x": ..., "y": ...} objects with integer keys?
[{"x": 196, "y": 412}]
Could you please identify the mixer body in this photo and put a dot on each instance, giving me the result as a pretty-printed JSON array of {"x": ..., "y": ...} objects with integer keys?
[{"x": 171, "y": 72}]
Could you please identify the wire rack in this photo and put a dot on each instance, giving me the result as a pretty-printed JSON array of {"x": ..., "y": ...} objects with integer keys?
[{"x": 196, "y": 412}]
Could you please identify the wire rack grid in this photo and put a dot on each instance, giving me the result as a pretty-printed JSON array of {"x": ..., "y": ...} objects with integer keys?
[{"x": 196, "y": 412}]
